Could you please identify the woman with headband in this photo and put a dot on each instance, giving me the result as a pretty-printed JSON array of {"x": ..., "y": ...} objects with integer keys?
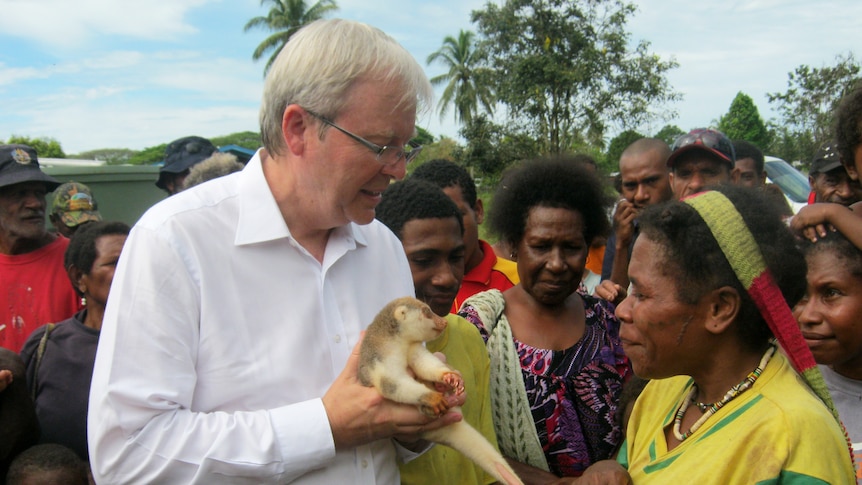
[{"x": 713, "y": 278}]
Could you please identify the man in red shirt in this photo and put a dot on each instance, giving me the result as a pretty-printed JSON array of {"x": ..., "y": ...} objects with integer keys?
[
  {"x": 35, "y": 289},
  {"x": 483, "y": 270}
]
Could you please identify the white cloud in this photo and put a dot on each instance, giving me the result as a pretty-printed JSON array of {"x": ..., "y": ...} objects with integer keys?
[
  {"x": 63, "y": 23},
  {"x": 11, "y": 75}
]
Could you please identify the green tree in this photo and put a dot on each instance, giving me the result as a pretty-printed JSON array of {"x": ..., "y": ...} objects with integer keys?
[
  {"x": 743, "y": 122},
  {"x": 245, "y": 139},
  {"x": 491, "y": 147},
  {"x": 423, "y": 137},
  {"x": 807, "y": 106},
  {"x": 149, "y": 155},
  {"x": 111, "y": 156},
  {"x": 618, "y": 144},
  {"x": 45, "y": 147},
  {"x": 284, "y": 18},
  {"x": 466, "y": 81},
  {"x": 565, "y": 67},
  {"x": 669, "y": 133},
  {"x": 445, "y": 148}
]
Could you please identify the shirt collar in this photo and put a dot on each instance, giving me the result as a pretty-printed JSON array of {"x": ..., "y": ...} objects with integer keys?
[{"x": 260, "y": 219}]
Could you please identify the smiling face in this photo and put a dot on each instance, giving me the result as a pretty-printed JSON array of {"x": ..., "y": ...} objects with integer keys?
[
  {"x": 435, "y": 251},
  {"x": 830, "y": 314},
  {"x": 657, "y": 329},
  {"x": 552, "y": 254},
  {"x": 22, "y": 215},
  {"x": 833, "y": 186},
  {"x": 346, "y": 178}
]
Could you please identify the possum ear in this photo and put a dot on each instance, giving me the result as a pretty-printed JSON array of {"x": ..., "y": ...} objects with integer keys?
[
  {"x": 399, "y": 316},
  {"x": 400, "y": 313}
]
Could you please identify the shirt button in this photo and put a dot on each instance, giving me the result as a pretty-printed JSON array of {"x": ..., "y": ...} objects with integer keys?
[
  {"x": 337, "y": 339},
  {"x": 364, "y": 464}
]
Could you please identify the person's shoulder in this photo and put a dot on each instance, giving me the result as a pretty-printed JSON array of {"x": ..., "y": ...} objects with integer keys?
[
  {"x": 508, "y": 267},
  {"x": 488, "y": 298},
  {"x": 375, "y": 234},
  {"x": 459, "y": 326},
  {"x": 32, "y": 343},
  {"x": 189, "y": 204}
]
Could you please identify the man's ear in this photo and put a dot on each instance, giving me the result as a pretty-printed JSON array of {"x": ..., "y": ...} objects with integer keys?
[
  {"x": 724, "y": 306},
  {"x": 735, "y": 175},
  {"x": 295, "y": 128},
  {"x": 479, "y": 209},
  {"x": 851, "y": 171}
]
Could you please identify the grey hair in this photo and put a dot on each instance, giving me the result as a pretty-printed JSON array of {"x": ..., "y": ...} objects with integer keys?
[
  {"x": 323, "y": 60},
  {"x": 217, "y": 165}
]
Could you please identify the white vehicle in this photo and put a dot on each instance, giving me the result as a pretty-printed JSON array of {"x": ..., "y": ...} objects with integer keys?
[{"x": 791, "y": 181}]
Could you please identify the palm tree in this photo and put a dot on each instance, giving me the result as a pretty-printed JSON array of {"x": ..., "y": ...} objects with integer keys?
[
  {"x": 464, "y": 86},
  {"x": 285, "y": 18}
]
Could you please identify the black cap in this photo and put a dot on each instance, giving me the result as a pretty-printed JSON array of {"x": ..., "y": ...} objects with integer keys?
[
  {"x": 182, "y": 154},
  {"x": 826, "y": 159},
  {"x": 18, "y": 164}
]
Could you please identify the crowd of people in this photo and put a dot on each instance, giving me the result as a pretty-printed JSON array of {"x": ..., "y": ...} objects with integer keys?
[{"x": 693, "y": 331}]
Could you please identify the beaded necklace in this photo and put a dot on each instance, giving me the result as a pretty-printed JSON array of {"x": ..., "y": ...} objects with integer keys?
[{"x": 712, "y": 408}]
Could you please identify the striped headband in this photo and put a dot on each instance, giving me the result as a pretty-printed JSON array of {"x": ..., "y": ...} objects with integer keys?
[{"x": 742, "y": 252}]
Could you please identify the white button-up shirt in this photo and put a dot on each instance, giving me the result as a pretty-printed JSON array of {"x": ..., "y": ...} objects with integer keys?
[{"x": 220, "y": 337}]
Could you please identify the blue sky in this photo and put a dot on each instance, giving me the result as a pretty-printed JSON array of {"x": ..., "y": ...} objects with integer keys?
[{"x": 132, "y": 74}]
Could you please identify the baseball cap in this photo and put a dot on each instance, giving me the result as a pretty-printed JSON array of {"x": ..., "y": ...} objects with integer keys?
[
  {"x": 182, "y": 153},
  {"x": 74, "y": 203},
  {"x": 706, "y": 140},
  {"x": 826, "y": 159},
  {"x": 18, "y": 164}
]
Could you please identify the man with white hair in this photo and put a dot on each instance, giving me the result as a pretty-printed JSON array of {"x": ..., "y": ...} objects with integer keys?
[{"x": 229, "y": 347}]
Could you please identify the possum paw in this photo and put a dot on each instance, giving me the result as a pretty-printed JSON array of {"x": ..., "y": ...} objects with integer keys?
[
  {"x": 433, "y": 404},
  {"x": 454, "y": 382}
]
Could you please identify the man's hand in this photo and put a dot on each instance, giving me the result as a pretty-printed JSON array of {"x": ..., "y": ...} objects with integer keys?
[
  {"x": 812, "y": 221},
  {"x": 624, "y": 222},
  {"x": 359, "y": 415}
]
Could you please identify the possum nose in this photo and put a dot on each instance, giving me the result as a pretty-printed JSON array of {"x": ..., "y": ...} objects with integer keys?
[{"x": 439, "y": 322}]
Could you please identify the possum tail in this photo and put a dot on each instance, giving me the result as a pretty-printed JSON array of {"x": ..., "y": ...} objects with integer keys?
[{"x": 464, "y": 438}]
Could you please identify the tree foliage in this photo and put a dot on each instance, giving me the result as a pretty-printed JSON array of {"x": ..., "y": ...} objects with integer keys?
[
  {"x": 149, "y": 155},
  {"x": 284, "y": 18},
  {"x": 45, "y": 147},
  {"x": 618, "y": 144},
  {"x": 467, "y": 84},
  {"x": 111, "y": 156},
  {"x": 743, "y": 122},
  {"x": 807, "y": 106},
  {"x": 491, "y": 147},
  {"x": 445, "y": 147},
  {"x": 669, "y": 133},
  {"x": 564, "y": 67},
  {"x": 245, "y": 139}
]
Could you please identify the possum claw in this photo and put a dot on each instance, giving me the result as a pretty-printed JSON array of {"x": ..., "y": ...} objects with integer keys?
[
  {"x": 454, "y": 381},
  {"x": 433, "y": 404}
]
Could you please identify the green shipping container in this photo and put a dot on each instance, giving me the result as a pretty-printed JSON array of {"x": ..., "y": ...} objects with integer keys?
[{"x": 122, "y": 192}]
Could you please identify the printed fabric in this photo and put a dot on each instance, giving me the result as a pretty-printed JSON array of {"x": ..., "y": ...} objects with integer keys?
[{"x": 571, "y": 394}]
